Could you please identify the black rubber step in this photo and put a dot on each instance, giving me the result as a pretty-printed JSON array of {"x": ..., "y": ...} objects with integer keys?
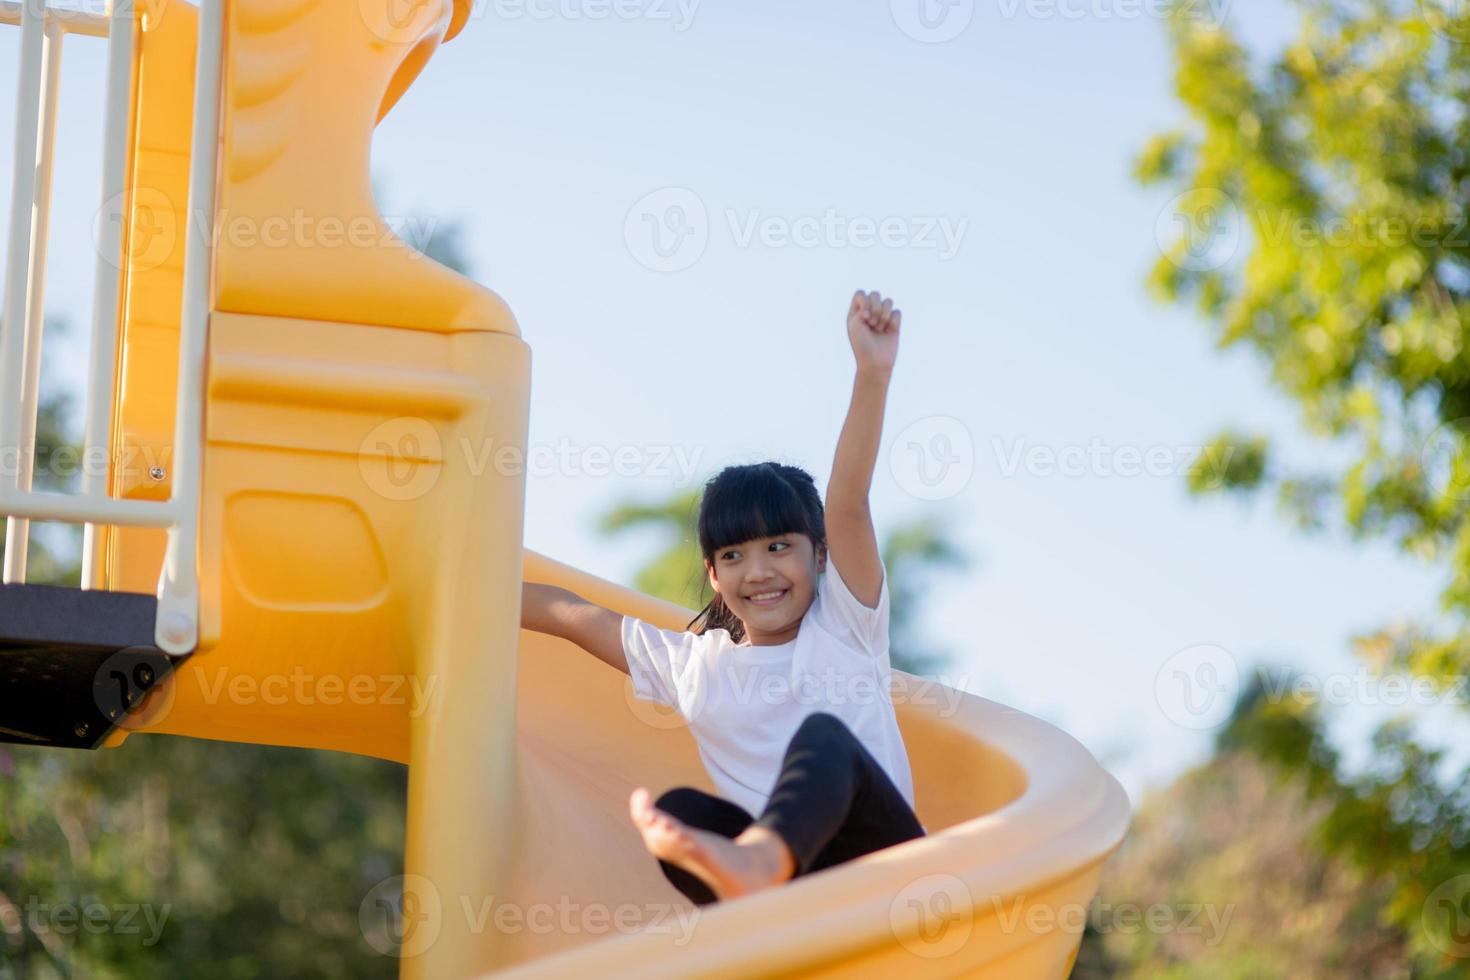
[{"x": 74, "y": 662}]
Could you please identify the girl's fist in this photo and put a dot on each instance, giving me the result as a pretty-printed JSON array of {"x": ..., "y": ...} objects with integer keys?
[{"x": 872, "y": 327}]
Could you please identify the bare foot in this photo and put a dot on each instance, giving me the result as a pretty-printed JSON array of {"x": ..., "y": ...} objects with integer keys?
[{"x": 756, "y": 860}]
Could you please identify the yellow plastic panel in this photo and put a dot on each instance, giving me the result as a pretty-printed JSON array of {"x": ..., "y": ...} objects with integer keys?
[
  {"x": 279, "y": 564},
  {"x": 360, "y": 565},
  {"x": 343, "y": 489},
  {"x": 155, "y": 217},
  {"x": 305, "y": 83}
]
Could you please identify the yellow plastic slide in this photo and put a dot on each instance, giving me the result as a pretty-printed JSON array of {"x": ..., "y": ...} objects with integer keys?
[
  {"x": 1021, "y": 819},
  {"x": 360, "y": 571}
]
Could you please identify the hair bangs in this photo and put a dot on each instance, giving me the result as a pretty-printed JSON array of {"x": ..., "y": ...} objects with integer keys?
[{"x": 755, "y": 503}]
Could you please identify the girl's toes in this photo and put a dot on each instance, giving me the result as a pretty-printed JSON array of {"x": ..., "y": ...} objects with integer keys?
[
  {"x": 671, "y": 830},
  {"x": 640, "y": 806}
]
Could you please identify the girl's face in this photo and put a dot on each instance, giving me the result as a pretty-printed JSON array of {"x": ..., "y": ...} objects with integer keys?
[{"x": 768, "y": 583}]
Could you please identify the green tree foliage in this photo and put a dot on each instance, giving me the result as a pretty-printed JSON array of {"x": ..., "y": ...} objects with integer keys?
[
  {"x": 913, "y": 554},
  {"x": 676, "y": 572},
  {"x": 156, "y": 858},
  {"x": 1323, "y": 216},
  {"x": 1221, "y": 878}
]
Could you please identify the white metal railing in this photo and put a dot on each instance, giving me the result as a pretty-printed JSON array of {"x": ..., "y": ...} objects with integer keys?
[
  {"x": 30, "y": 305},
  {"x": 71, "y": 21},
  {"x": 41, "y": 33}
]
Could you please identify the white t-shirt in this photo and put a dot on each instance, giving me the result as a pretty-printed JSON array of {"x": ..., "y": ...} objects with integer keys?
[{"x": 743, "y": 703}]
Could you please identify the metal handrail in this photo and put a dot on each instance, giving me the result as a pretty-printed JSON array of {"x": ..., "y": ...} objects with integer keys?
[
  {"x": 177, "y": 625},
  {"x": 70, "y": 21},
  {"x": 105, "y": 295},
  {"x": 18, "y": 529}
]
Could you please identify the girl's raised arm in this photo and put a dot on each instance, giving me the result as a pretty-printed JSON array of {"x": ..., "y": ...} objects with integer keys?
[
  {"x": 554, "y": 610},
  {"x": 872, "y": 328}
]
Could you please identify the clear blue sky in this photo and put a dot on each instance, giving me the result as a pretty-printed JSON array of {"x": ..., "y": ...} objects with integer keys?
[{"x": 543, "y": 133}]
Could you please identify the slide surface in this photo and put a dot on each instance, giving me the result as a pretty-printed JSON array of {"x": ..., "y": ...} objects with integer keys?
[{"x": 1021, "y": 819}]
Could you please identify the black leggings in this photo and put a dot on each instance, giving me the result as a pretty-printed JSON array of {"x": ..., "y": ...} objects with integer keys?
[{"x": 832, "y": 803}]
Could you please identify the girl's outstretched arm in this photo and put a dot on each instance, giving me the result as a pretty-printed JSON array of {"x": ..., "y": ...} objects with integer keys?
[
  {"x": 872, "y": 328},
  {"x": 554, "y": 610}
]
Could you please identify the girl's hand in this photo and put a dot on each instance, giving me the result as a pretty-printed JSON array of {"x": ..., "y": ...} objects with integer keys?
[{"x": 872, "y": 327}]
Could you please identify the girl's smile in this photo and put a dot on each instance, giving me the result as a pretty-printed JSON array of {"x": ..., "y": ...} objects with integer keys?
[{"x": 772, "y": 581}]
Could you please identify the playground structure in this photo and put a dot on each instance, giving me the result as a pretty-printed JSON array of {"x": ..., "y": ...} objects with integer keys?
[{"x": 293, "y": 492}]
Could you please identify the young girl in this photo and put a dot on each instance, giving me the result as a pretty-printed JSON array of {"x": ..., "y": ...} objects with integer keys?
[{"x": 783, "y": 677}]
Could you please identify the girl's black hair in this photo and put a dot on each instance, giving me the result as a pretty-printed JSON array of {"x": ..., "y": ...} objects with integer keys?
[{"x": 756, "y": 500}]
